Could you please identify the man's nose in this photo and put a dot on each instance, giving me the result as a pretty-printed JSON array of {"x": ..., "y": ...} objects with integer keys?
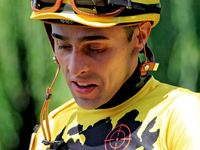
[{"x": 78, "y": 63}]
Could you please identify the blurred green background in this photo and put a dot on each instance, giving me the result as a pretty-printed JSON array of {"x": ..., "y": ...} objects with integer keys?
[{"x": 27, "y": 68}]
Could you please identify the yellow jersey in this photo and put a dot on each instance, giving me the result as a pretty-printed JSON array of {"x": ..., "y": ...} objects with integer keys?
[{"x": 158, "y": 117}]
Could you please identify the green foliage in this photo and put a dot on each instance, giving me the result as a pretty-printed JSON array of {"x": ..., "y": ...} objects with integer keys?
[
  {"x": 175, "y": 42},
  {"x": 27, "y": 68}
]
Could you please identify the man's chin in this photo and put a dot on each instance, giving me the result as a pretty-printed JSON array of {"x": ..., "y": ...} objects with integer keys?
[{"x": 87, "y": 103}]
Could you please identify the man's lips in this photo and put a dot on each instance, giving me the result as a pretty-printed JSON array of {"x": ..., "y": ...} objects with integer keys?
[{"x": 83, "y": 88}]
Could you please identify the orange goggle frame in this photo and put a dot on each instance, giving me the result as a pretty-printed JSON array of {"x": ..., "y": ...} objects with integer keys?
[{"x": 35, "y": 7}]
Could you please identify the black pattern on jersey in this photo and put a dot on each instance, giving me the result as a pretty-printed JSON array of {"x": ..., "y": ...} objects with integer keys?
[{"x": 100, "y": 136}]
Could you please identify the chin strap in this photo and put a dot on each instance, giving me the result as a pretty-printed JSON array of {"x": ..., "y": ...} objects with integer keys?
[
  {"x": 44, "y": 111},
  {"x": 145, "y": 66},
  {"x": 148, "y": 66}
]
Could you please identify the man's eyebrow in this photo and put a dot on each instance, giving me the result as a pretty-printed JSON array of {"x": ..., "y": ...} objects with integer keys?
[
  {"x": 57, "y": 36},
  {"x": 92, "y": 38},
  {"x": 81, "y": 39}
]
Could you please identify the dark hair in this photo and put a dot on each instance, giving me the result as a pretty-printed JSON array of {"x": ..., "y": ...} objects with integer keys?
[{"x": 129, "y": 31}]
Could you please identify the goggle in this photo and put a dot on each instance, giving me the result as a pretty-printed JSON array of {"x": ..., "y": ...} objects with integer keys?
[
  {"x": 96, "y": 8},
  {"x": 88, "y": 5},
  {"x": 37, "y": 5}
]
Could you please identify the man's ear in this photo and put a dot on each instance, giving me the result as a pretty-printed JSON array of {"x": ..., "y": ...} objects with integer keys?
[{"x": 142, "y": 34}]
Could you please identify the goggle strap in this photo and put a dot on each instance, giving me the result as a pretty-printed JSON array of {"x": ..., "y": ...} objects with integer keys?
[
  {"x": 47, "y": 133},
  {"x": 155, "y": 8}
]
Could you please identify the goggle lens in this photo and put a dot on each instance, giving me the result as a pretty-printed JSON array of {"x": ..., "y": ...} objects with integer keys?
[{"x": 50, "y": 5}]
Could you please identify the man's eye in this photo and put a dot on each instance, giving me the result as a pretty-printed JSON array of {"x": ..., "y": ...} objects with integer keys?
[
  {"x": 63, "y": 47},
  {"x": 95, "y": 50}
]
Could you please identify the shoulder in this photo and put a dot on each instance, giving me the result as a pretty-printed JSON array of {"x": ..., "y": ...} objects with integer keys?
[
  {"x": 185, "y": 107},
  {"x": 178, "y": 99},
  {"x": 182, "y": 121},
  {"x": 180, "y": 117},
  {"x": 170, "y": 91}
]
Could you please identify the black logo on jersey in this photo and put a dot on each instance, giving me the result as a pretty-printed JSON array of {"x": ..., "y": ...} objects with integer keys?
[{"x": 101, "y": 135}]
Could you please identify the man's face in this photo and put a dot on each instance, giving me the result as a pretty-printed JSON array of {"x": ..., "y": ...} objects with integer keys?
[{"x": 95, "y": 61}]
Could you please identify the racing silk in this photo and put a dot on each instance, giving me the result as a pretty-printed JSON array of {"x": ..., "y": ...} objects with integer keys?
[{"x": 158, "y": 117}]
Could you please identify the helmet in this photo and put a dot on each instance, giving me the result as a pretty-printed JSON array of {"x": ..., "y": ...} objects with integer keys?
[{"x": 96, "y": 13}]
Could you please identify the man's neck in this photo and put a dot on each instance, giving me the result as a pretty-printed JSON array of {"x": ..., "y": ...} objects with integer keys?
[{"x": 127, "y": 90}]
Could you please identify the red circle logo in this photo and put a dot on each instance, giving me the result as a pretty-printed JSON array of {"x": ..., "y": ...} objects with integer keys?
[{"x": 117, "y": 138}]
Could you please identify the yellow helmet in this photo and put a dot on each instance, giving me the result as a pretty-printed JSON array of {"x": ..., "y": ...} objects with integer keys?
[{"x": 96, "y": 13}]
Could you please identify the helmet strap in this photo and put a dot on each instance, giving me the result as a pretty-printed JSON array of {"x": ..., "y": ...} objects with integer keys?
[
  {"x": 49, "y": 31},
  {"x": 44, "y": 111},
  {"x": 145, "y": 66}
]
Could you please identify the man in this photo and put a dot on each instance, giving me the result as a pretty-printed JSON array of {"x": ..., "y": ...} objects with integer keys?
[{"x": 116, "y": 104}]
